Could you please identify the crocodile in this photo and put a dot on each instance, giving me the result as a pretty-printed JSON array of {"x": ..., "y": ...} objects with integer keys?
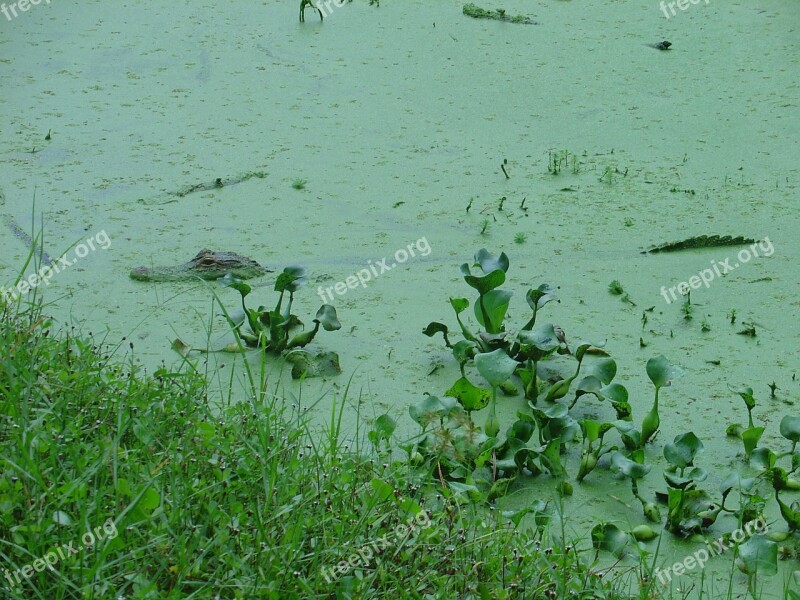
[
  {"x": 207, "y": 265},
  {"x": 499, "y": 14},
  {"x": 702, "y": 241}
]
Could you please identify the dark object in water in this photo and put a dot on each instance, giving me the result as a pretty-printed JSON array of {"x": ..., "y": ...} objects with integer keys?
[
  {"x": 702, "y": 241},
  {"x": 219, "y": 182},
  {"x": 303, "y": 5},
  {"x": 20, "y": 234},
  {"x": 661, "y": 45}
]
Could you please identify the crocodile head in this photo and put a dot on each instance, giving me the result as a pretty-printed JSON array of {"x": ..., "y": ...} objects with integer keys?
[{"x": 207, "y": 265}]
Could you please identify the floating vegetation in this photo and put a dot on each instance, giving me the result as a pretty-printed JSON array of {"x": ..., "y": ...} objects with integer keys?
[
  {"x": 271, "y": 329},
  {"x": 299, "y": 184},
  {"x": 558, "y": 160},
  {"x": 609, "y": 174},
  {"x": 476, "y": 12}
]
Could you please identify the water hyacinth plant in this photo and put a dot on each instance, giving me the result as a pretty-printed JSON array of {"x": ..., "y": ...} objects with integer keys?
[{"x": 270, "y": 329}]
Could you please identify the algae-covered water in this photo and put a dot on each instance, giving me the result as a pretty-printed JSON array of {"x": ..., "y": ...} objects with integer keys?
[{"x": 399, "y": 118}]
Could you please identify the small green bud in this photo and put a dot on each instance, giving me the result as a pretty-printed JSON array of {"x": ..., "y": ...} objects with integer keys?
[
  {"x": 651, "y": 512},
  {"x": 643, "y": 533},
  {"x": 492, "y": 426}
]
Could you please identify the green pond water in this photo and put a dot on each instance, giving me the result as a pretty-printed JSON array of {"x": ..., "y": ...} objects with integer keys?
[{"x": 398, "y": 117}]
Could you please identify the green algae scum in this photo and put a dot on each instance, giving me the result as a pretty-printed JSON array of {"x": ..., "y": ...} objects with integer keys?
[{"x": 582, "y": 385}]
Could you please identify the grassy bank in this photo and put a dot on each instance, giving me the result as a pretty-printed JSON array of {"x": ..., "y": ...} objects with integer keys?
[{"x": 120, "y": 485}]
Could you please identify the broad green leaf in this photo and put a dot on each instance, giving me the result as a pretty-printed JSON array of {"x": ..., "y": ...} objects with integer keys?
[
  {"x": 675, "y": 481},
  {"x": 240, "y": 286},
  {"x": 459, "y": 304},
  {"x": 604, "y": 369},
  {"x": 759, "y": 555},
  {"x": 750, "y": 438},
  {"x": 471, "y": 397},
  {"x": 326, "y": 315},
  {"x": 565, "y": 428},
  {"x": 631, "y": 436},
  {"x": 746, "y": 393},
  {"x": 590, "y": 429},
  {"x": 487, "y": 282},
  {"x": 543, "y": 337},
  {"x": 489, "y": 263},
  {"x": 384, "y": 426},
  {"x": 551, "y": 459},
  {"x": 735, "y": 481},
  {"x": 589, "y": 385},
  {"x": 580, "y": 349},
  {"x": 790, "y": 428},
  {"x": 520, "y": 430},
  {"x": 432, "y": 408},
  {"x": 763, "y": 458},
  {"x": 659, "y": 371},
  {"x": 495, "y": 303},
  {"x": 383, "y": 491},
  {"x": 291, "y": 279},
  {"x": 537, "y": 298},
  {"x": 615, "y": 392},
  {"x": 149, "y": 501},
  {"x": 307, "y": 365},
  {"x": 682, "y": 450},
  {"x": 435, "y": 327},
  {"x": 464, "y": 350},
  {"x": 609, "y": 537},
  {"x": 627, "y": 467},
  {"x": 496, "y": 367}
]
